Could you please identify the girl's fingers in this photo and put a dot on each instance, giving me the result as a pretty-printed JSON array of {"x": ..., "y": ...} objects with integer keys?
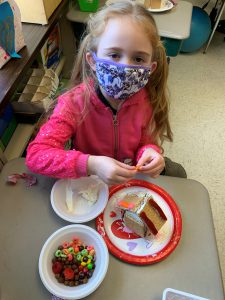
[
  {"x": 118, "y": 180},
  {"x": 153, "y": 172},
  {"x": 126, "y": 173},
  {"x": 151, "y": 167},
  {"x": 125, "y": 166}
]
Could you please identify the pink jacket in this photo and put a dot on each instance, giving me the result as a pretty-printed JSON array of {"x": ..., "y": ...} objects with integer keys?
[{"x": 122, "y": 137}]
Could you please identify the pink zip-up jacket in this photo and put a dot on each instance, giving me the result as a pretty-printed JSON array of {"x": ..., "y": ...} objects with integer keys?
[{"x": 123, "y": 137}]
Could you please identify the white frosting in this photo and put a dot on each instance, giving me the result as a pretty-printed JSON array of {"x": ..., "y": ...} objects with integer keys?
[{"x": 90, "y": 194}]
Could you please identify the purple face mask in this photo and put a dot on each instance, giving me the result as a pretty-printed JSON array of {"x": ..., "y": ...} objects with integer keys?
[{"x": 120, "y": 81}]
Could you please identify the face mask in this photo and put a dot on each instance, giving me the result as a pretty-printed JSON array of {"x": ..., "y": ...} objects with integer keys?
[{"x": 120, "y": 81}]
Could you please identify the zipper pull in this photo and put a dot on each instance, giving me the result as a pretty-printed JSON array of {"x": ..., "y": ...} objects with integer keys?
[{"x": 115, "y": 122}]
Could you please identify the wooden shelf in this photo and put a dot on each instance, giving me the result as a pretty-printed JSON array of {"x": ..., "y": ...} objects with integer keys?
[{"x": 35, "y": 35}]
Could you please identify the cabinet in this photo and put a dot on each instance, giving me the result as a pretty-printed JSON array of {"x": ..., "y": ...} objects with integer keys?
[{"x": 14, "y": 71}]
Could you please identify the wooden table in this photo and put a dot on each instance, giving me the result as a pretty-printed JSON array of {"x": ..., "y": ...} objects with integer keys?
[
  {"x": 27, "y": 220},
  {"x": 14, "y": 70}
]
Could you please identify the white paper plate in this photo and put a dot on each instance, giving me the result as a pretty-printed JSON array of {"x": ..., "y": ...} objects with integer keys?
[
  {"x": 168, "y": 6},
  {"x": 90, "y": 237},
  {"x": 82, "y": 211}
]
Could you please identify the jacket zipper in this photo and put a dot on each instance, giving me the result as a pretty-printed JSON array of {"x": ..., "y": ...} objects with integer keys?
[{"x": 115, "y": 125}]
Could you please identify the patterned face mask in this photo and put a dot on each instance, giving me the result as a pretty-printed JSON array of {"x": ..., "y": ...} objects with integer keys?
[{"x": 120, "y": 81}]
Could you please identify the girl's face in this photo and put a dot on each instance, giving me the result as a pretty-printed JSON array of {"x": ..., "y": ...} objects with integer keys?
[{"x": 125, "y": 41}]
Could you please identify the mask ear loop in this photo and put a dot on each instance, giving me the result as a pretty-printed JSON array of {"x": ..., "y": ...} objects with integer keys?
[{"x": 94, "y": 55}]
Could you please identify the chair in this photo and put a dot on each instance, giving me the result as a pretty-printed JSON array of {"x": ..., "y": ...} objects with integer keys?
[{"x": 215, "y": 25}]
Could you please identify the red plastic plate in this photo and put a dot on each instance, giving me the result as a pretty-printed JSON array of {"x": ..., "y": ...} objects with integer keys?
[{"x": 126, "y": 245}]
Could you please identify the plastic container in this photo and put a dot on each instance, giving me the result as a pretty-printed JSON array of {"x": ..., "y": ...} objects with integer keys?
[
  {"x": 88, "y": 5},
  {"x": 172, "y": 294}
]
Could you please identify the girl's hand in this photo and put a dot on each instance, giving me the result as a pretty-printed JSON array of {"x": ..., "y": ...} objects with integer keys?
[
  {"x": 151, "y": 163},
  {"x": 110, "y": 170}
]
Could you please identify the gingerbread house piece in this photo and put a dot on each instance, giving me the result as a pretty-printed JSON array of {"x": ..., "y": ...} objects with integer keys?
[
  {"x": 142, "y": 215},
  {"x": 152, "y": 215}
]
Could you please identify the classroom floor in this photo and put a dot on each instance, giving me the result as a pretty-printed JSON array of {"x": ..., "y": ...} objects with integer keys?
[{"x": 197, "y": 87}]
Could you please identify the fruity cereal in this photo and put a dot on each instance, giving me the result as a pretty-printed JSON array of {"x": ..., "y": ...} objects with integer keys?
[{"x": 73, "y": 263}]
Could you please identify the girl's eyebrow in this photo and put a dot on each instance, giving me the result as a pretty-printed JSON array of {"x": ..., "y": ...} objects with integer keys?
[
  {"x": 134, "y": 53},
  {"x": 142, "y": 53},
  {"x": 113, "y": 49}
]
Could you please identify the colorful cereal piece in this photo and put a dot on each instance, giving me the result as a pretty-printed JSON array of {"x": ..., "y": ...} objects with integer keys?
[
  {"x": 70, "y": 257},
  {"x": 65, "y": 245},
  {"x": 58, "y": 253},
  {"x": 71, "y": 249},
  {"x": 79, "y": 256},
  {"x": 84, "y": 252}
]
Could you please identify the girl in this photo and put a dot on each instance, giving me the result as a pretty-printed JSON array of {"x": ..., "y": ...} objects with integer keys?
[{"x": 117, "y": 113}]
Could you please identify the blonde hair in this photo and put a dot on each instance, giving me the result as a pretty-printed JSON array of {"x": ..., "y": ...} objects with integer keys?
[{"x": 159, "y": 127}]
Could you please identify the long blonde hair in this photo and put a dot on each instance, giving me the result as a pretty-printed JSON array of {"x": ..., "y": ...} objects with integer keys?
[{"x": 159, "y": 127}]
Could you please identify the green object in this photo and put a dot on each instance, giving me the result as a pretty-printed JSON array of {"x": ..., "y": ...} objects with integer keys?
[
  {"x": 88, "y": 5},
  {"x": 9, "y": 131},
  {"x": 172, "y": 46}
]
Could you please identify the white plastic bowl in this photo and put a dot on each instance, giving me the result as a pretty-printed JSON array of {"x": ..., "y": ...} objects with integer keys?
[
  {"x": 90, "y": 237},
  {"x": 83, "y": 212}
]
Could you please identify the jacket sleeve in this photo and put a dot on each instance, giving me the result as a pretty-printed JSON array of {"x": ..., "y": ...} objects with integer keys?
[{"x": 46, "y": 154}]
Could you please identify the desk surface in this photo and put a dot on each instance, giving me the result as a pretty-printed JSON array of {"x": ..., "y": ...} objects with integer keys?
[
  {"x": 175, "y": 23},
  {"x": 27, "y": 220},
  {"x": 35, "y": 36}
]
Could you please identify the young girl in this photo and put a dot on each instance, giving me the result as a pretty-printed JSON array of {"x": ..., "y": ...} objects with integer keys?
[{"x": 117, "y": 113}]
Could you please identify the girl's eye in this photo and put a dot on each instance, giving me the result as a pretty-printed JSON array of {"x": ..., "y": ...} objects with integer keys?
[
  {"x": 114, "y": 56},
  {"x": 138, "y": 60}
]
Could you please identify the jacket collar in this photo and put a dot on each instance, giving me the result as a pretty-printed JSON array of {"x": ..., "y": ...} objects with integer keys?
[{"x": 137, "y": 98}]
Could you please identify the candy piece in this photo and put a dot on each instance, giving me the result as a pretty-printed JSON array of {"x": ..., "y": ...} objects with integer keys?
[
  {"x": 125, "y": 204},
  {"x": 80, "y": 268},
  {"x": 57, "y": 267},
  {"x": 30, "y": 179},
  {"x": 85, "y": 258},
  {"x": 89, "y": 266},
  {"x": 68, "y": 273}
]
